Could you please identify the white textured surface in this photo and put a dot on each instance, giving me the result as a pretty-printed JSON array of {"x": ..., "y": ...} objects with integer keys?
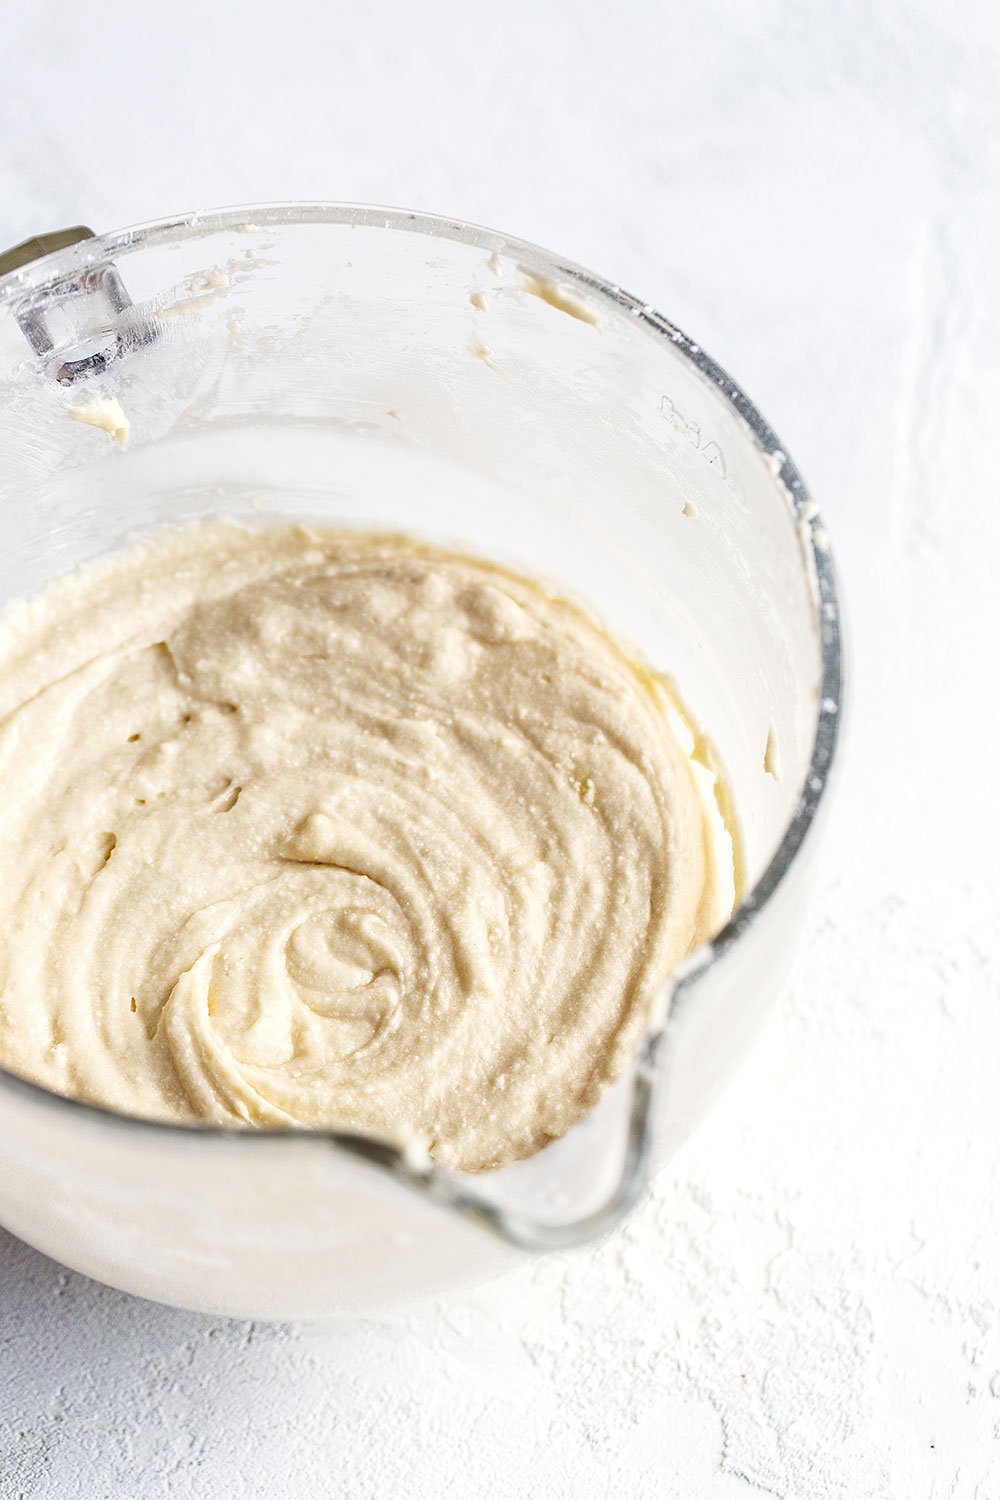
[{"x": 808, "y": 1303}]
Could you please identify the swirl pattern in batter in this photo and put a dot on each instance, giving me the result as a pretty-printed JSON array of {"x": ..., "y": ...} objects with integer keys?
[{"x": 303, "y": 827}]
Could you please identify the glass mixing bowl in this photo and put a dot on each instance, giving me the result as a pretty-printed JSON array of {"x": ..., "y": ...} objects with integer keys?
[{"x": 410, "y": 372}]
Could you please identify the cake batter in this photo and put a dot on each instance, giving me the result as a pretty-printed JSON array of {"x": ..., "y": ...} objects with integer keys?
[{"x": 313, "y": 828}]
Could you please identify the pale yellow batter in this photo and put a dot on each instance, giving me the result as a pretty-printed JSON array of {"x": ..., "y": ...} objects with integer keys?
[{"x": 324, "y": 828}]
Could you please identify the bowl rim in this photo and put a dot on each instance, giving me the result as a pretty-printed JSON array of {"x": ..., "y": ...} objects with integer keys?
[{"x": 413, "y": 1169}]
